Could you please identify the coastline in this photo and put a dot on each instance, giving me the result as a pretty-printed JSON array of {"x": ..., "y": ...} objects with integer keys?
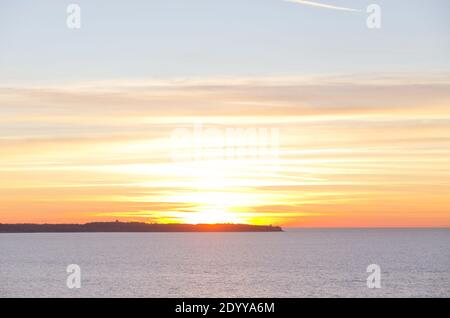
[{"x": 133, "y": 227}]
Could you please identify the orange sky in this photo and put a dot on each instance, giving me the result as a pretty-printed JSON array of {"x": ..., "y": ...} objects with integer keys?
[{"x": 351, "y": 151}]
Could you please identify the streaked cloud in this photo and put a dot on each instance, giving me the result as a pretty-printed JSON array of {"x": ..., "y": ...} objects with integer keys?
[
  {"x": 351, "y": 146},
  {"x": 322, "y": 5}
]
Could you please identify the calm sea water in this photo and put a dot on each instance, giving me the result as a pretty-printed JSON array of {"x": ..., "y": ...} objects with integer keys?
[{"x": 296, "y": 263}]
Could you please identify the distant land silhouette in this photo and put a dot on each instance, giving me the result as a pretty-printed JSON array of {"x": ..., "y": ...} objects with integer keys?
[{"x": 134, "y": 227}]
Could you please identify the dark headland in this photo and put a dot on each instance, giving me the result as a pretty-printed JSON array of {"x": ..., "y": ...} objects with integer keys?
[{"x": 134, "y": 227}]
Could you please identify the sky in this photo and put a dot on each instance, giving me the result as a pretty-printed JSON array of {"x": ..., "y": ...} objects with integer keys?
[{"x": 333, "y": 124}]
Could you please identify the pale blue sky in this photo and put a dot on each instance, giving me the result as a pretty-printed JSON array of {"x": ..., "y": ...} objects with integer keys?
[{"x": 179, "y": 38}]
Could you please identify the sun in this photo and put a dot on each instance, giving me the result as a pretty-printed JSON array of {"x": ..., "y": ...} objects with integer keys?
[
  {"x": 211, "y": 206},
  {"x": 212, "y": 217},
  {"x": 210, "y": 192}
]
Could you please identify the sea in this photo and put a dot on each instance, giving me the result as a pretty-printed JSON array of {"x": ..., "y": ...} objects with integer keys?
[{"x": 293, "y": 263}]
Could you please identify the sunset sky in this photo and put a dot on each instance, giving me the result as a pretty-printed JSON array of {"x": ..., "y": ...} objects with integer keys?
[{"x": 88, "y": 116}]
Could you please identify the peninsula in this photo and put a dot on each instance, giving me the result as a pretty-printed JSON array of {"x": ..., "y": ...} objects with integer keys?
[{"x": 134, "y": 227}]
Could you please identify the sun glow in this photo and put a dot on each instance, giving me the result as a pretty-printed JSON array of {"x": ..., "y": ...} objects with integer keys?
[
  {"x": 213, "y": 206},
  {"x": 211, "y": 216}
]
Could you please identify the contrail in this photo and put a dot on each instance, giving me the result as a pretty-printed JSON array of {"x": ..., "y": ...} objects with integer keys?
[{"x": 322, "y": 5}]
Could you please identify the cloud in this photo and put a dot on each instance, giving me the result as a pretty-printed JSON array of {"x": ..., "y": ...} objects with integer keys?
[
  {"x": 351, "y": 146},
  {"x": 323, "y": 5}
]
